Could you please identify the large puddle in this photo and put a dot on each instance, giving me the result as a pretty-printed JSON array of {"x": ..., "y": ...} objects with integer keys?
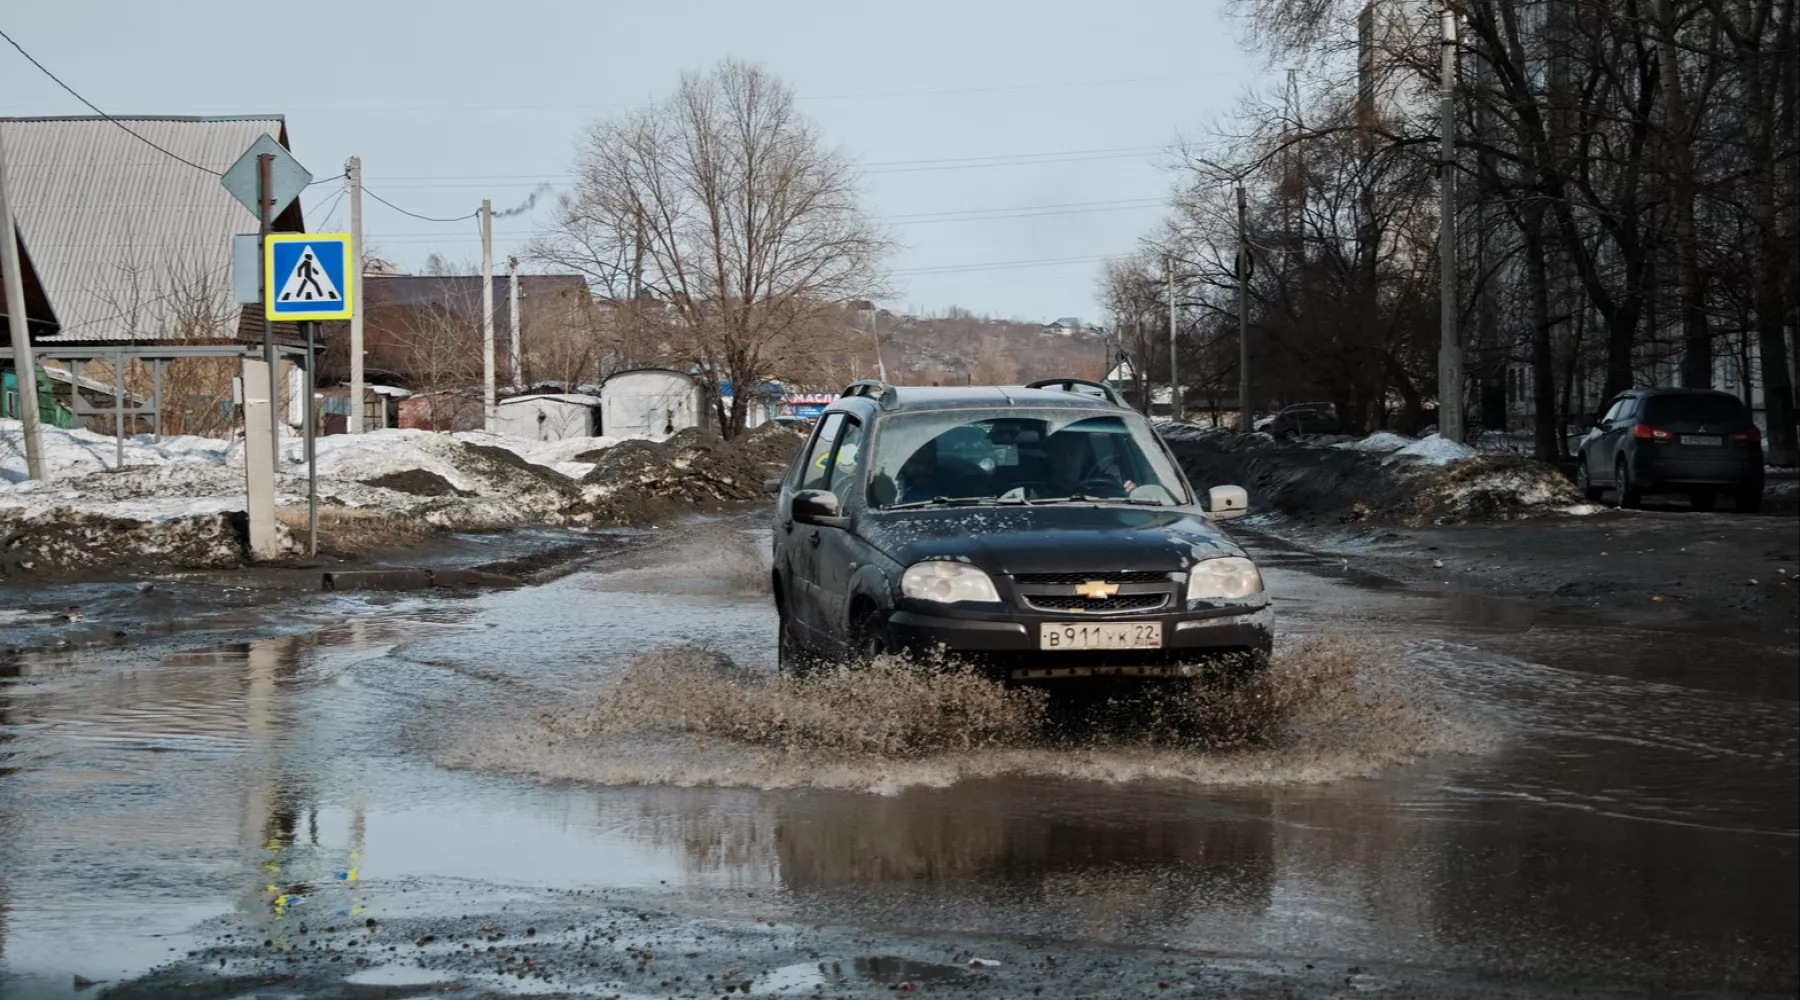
[{"x": 1416, "y": 780}]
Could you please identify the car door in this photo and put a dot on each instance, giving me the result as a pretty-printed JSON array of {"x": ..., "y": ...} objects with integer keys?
[
  {"x": 838, "y": 554},
  {"x": 1601, "y": 444},
  {"x": 800, "y": 542}
]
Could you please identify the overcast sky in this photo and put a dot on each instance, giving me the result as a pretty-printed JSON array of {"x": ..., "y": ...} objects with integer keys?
[{"x": 1051, "y": 111}]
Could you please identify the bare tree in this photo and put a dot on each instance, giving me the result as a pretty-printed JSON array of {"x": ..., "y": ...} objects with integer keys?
[{"x": 723, "y": 203}]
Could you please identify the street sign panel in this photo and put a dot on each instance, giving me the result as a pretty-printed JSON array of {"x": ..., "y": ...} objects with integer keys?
[
  {"x": 287, "y": 178},
  {"x": 246, "y": 269},
  {"x": 307, "y": 276}
]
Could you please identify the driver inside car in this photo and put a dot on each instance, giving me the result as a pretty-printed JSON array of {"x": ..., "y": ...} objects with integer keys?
[{"x": 1074, "y": 470}]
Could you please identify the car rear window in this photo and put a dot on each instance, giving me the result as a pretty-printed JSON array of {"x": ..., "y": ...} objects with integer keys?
[{"x": 1696, "y": 408}]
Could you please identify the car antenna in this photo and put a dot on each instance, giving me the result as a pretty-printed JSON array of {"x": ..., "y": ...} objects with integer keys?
[{"x": 1010, "y": 401}]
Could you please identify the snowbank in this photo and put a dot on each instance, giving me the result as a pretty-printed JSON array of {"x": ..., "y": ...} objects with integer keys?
[
  {"x": 1435, "y": 450},
  {"x": 70, "y": 454},
  {"x": 1380, "y": 441}
]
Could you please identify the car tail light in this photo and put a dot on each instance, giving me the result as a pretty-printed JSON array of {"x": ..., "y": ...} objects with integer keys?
[
  {"x": 1753, "y": 436},
  {"x": 1650, "y": 433}
]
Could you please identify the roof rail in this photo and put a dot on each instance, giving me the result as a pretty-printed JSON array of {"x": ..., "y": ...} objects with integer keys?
[{"x": 1107, "y": 392}]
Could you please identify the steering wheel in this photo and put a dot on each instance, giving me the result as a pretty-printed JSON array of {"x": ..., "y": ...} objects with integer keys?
[{"x": 1101, "y": 486}]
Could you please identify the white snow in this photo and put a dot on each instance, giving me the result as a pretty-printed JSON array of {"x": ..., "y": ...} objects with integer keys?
[
  {"x": 1435, "y": 450},
  {"x": 180, "y": 477},
  {"x": 1380, "y": 441},
  {"x": 68, "y": 454}
]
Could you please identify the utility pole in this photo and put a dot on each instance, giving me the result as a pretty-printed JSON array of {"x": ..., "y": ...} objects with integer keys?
[
  {"x": 512, "y": 310},
  {"x": 489, "y": 405},
  {"x": 1174, "y": 364},
  {"x": 1245, "y": 418},
  {"x": 1450, "y": 366},
  {"x": 265, "y": 204},
  {"x": 24, "y": 366},
  {"x": 354, "y": 169},
  {"x": 875, "y": 335}
]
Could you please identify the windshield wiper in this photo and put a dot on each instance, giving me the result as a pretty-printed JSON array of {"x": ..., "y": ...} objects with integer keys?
[
  {"x": 940, "y": 502},
  {"x": 1083, "y": 498}
]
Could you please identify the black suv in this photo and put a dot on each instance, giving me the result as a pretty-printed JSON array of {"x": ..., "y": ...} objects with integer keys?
[
  {"x": 1043, "y": 531},
  {"x": 1693, "y": 441}
]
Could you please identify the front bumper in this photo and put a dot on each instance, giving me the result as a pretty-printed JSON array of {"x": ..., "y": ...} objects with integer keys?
[{"x": 1009, "y": 643}]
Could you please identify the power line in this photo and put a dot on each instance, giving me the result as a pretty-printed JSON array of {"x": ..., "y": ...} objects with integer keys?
[
  {"x": 58, "y": 81},
  {"x": 422, "y": 218}
]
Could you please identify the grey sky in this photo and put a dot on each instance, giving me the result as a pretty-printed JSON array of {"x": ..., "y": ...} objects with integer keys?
[{"x": 449, "y": 102}]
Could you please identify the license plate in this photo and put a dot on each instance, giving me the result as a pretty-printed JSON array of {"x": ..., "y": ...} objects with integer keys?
[
  {"x": 1707, "y": 440},
  {"x": 1089, "y": 635}
]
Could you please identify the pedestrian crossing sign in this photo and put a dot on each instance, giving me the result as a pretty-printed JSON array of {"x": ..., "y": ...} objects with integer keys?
[{"x": 307, "y": 276}]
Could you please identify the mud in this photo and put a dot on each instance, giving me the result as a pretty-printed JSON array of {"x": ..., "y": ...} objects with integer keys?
[
  {"x": 63, "y": 545},
  {"x": 417, "y": 482}
]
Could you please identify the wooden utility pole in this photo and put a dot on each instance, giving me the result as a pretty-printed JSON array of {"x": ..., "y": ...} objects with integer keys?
[
  {"x": 24, "y": 367},
  {"x": 357, "y": 260},
  {"x": 489, "y": 405}
]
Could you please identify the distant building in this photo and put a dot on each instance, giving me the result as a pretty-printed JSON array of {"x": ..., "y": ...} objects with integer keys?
[
  {"x": 651, "y": 404},
  {"x": 549, "y": 417}
]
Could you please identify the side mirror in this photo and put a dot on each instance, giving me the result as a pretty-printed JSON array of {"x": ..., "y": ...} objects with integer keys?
[
  {"x": 1227, "y": 502},
  {"x": 817, "y": 507},
  {"x": 1594, "y": 419},
  {"x": 772, "y": 486}
]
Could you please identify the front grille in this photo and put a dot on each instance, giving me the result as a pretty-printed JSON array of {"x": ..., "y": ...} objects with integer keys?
[
  {"x": 1077, "y": 579},
  {"x": 1118, "y": 604}
]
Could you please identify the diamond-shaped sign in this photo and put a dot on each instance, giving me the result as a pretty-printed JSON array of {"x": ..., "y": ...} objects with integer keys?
[{"x": 287, "y": 178}]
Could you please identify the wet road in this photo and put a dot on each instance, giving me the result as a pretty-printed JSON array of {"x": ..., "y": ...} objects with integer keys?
[{"x": 1542, "y": 802}]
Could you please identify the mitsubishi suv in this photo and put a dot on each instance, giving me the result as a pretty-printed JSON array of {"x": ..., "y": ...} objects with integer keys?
[{"x": 1042, "y": 532}]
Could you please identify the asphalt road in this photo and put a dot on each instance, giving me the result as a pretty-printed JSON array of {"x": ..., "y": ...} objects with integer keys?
[{"x": 370, "y": 796}]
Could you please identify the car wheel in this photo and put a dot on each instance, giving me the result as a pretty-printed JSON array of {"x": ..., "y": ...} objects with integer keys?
[
  {"x": 1749, "y": 498},
  {"x": 1585, "y": 480},
  {"x": 1703, "y": 499},
  {"x": 1631, "y": 496},
  {"x": 871, "y": 638},
  {"x": 790, "y": 654}
]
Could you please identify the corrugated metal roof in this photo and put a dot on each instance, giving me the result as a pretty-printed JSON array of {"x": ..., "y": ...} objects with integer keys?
[{"x": 116, "y": 230}]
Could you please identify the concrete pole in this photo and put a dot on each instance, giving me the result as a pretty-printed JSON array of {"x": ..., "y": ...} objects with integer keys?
[
  {"x": 24, "y": 368},
  {"x": 354, "y": 168},
  {"x": 512, "y": 308},
  {"x": 1174, "y": 363},
  {"x": 1450, "y": 365},
  {"x": 1245, "y": 417},
  {"x": 489, "y": 404}
]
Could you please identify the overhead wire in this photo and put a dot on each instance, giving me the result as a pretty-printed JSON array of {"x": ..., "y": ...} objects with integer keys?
[
  {"x": 422, "y": 218},
  {"x": 73, "y": 93}
]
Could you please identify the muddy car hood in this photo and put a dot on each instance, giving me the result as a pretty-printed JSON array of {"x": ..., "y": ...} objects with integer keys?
[{"x": 1050, "y": 539}]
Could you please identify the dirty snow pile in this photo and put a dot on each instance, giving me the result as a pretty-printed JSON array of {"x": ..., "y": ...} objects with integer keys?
[
  {"x": 179, "y": 501},
  {"x": 1380, "y": 441},
  {"x": 1491, "y": 487},
  {"x": 1435, "y": 450},
  {"x": 634, "y": 480}
]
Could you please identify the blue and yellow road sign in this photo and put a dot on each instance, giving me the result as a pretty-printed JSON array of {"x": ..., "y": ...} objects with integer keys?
[{"x": 307, "y": 276}]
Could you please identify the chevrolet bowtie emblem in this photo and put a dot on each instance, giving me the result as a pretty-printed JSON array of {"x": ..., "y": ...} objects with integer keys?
[{"x": 1097, "y": 589}]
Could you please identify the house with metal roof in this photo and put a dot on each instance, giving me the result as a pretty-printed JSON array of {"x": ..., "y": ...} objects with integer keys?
[{"x": 125, "y": 238}]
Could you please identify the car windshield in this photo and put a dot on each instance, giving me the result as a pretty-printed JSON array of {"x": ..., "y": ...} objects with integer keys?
[
  {"x": 1703, "y": 408},
  {"x": 1023, "y": 455}
]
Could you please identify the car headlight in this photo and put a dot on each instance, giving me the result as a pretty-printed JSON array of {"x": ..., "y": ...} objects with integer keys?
[
  {"x": 1227, "y": 578},
  {"x": 947, "y": 583}
]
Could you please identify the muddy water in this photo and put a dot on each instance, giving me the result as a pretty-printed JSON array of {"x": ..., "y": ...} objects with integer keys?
[{"x": 1454, "y": 791}]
